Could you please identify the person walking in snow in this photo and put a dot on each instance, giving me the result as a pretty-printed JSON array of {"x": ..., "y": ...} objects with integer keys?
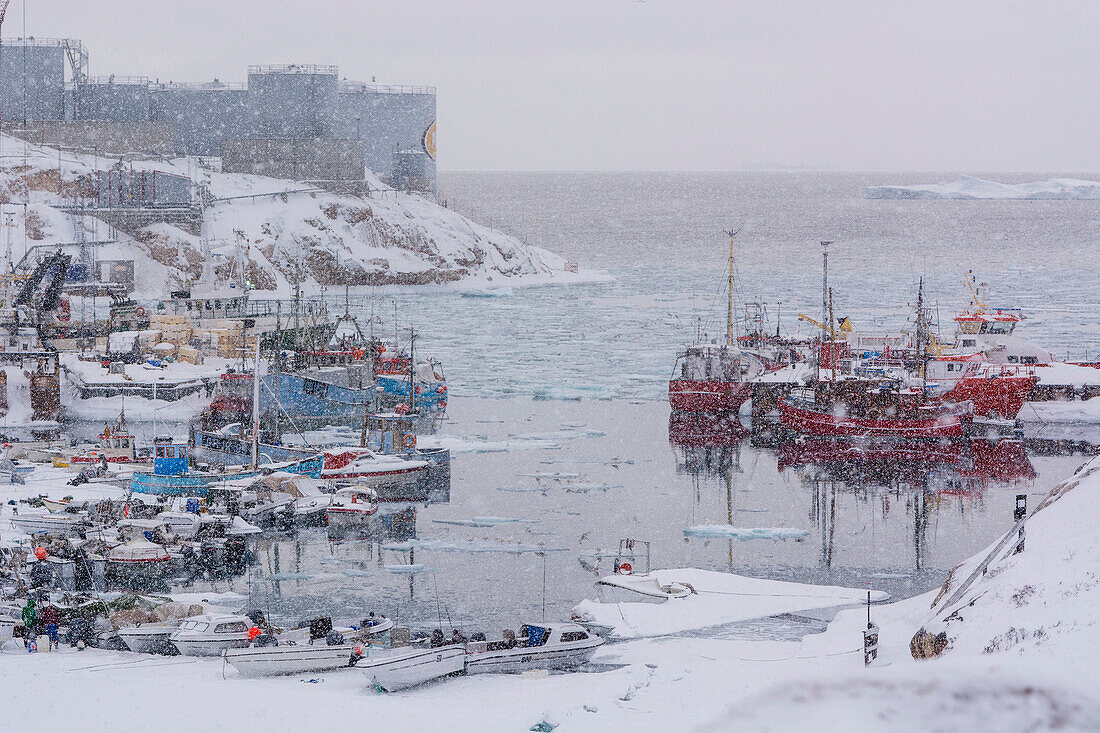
[
  {"x": 30, "y": 622},
  {"x": 51, "y": 619}
]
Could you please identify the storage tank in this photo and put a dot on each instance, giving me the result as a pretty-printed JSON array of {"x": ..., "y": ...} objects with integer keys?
[
  {"x": 203, "y": 113},
  {"x": 389, "y": 118},
  {"x": 293, "y": 101},
  {"x": 44, "y": 90},
  {"x": 114, "y": 99}
]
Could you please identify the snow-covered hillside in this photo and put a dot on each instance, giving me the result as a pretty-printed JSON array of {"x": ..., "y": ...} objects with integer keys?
[
  {"x": 288, "y": 230},
  {"x": 969, "y": 187}
]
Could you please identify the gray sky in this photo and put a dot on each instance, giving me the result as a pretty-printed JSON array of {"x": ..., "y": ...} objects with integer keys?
[{"x": 660, "y": 85}]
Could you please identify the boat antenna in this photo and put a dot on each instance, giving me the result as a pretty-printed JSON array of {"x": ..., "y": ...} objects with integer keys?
[{"x": 729, "y": 310}]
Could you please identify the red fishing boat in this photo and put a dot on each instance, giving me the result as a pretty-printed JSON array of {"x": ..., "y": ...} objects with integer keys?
[
  {"x": 713, "y": 377},
  {"x": 995, "y": 391},
  {"x": 865, "y": 409}
]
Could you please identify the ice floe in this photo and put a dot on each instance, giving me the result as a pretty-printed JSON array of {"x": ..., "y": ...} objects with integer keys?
[{"x": 742, "y": 534}]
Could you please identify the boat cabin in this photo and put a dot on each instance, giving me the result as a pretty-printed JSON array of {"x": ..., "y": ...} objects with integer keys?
[
  {"x": 998, "y": 321},
  {"x": 392, "y": 432},
  {"x": 170, "y": 458},
  {"x": 709, "y": 363}
]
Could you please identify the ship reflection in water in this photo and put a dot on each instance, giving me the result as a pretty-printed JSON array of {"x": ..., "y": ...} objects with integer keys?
[{"x": 885, "y": 513}]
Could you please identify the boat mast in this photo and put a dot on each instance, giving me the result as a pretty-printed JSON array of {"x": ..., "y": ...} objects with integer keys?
[
  {"x": 729, "y": 310},
  {"x": 824, "y": 300},
  {"x": 256, "y": 408}
]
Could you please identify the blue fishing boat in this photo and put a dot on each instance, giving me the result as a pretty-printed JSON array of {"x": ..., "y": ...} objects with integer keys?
[
  {"x": 171, "y": 474},
  {"x": 227, "y": 447}
]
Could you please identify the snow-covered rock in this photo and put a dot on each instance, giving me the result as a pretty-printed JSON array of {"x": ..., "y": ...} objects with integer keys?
[
  {"x": 969, "y": 187},
  {"x": 289, "y": 230}
]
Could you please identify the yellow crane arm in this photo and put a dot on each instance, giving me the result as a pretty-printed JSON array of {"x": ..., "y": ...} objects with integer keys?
[{"x": 822, "y": 326}]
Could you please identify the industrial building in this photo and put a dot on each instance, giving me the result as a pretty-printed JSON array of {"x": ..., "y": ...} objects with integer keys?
[{"x": 291, "y": 121}]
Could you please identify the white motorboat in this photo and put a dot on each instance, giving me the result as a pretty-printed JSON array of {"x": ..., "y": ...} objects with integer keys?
[
  {"x": 402, "y": 667},
  {"x": 289, "y": 656},
  {"x": 366, "y": 468},
  {"x": 352, "y": 506},
  {"x": 11, "y": 615},
  {"x": 210, "y": 634},
  {"x": 55, "y": 505},
  {"x": 312, "y": 509},
  {"x": 149, "y": 638},
  {"x": 138, "y": 552},
  {"x": 66, "y": 523},
  {"x": 645, "y": 588},
  {"x": 541, "y": 646}
]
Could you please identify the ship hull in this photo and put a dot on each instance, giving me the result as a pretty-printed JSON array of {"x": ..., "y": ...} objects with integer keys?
[
  {"x": 697, "y": 395},
  {"x": 814, "y": 422},
  {"x": 999, "y": 396}
]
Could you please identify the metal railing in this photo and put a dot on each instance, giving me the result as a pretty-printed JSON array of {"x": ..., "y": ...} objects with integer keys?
[
  {"x": 31, "y": 41},
  {"x": 293, "y": 69},
  {"x": 359, "y": 87},
  {"x": 204, "y": 86},
  {"x": 117, "y": 79}
]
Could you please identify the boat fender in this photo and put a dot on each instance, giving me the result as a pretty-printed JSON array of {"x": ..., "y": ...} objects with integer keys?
[
  {"x": 410, "y": 440},
  {"x": 626, "y": 569}
]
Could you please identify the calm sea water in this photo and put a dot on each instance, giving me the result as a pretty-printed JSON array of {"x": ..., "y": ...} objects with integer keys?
[{"x": 570, "y": 380}]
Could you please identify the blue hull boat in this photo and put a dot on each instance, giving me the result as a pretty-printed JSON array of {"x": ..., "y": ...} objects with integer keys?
[
  {"x": 195, "y": 483},
  {"x": 233, "y": 450}
]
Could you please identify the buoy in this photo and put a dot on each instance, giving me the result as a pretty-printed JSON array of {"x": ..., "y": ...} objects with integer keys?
[
  {"x": 625, "y": 568},
  {"x": 40, "y": 553},
  {"x": 253, "y": 633}
]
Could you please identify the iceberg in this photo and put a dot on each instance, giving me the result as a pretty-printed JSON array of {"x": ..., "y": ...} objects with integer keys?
[
  {"x": 482, "y": 521},
  {"x": 404, "y": 569},
  {"x": 472, "y": 546},
  {"x": 742, "y": 534},
  {"x": 969, "y": 187}
]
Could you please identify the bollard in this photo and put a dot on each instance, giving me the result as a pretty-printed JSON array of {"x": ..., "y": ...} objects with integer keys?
[
  {"x": 870, "y": 644},
  {"x": 870, "y": 637},
  {"x": 1019, "y": 514}
]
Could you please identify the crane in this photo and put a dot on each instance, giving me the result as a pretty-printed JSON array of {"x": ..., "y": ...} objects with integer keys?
[{"x": 843, "y": 329}]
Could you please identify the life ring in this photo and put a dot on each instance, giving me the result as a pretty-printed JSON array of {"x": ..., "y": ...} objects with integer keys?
[
  {"x": 139, "y": 311},
  {"x": 441, "y": 389},
  {"x": 409, "y": 440},
  {"x": 625, "y": 568}
]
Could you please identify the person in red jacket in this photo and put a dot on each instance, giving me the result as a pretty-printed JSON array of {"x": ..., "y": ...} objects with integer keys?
[{"x": 51, "y": 619}]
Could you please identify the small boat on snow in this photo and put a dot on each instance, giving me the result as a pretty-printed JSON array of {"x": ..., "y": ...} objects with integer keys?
[
  {"x": 294, "y": 656},
  {"x": 149, "y": 638},
  {"x": 209, "y": 635},
  {"x": 67, "y": 523},
  {"x": 403, "y": 667},
  {"x": 539, "y": 646},
  {"x": 11, "y": 615}
]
